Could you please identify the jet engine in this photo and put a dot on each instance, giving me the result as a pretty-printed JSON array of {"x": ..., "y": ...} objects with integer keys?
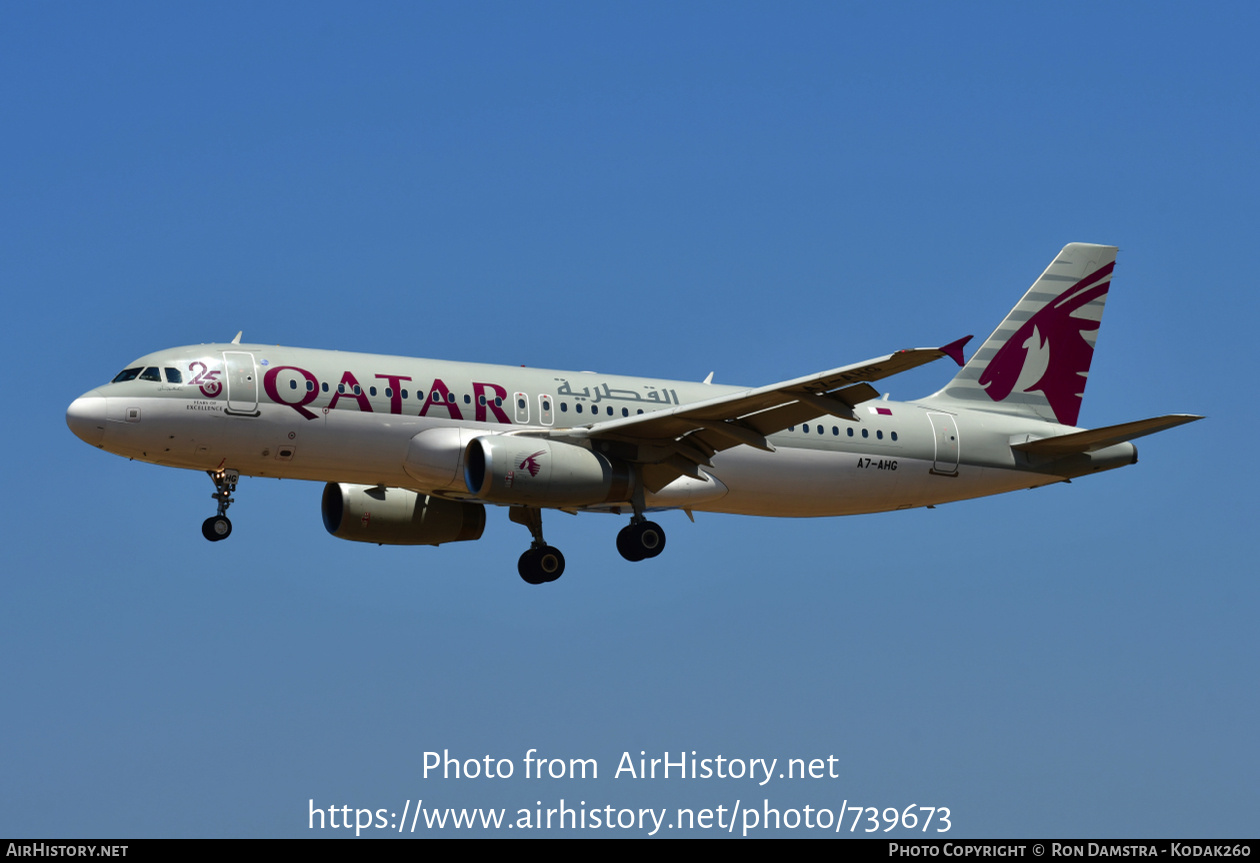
[
  {"x": 525, "y": 470},
  {"x": 395, "y": 516},
  {"x": 435, "y": 457}
]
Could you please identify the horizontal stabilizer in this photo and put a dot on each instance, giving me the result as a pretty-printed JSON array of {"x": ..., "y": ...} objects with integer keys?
[{"x": 1101, "y": 438}]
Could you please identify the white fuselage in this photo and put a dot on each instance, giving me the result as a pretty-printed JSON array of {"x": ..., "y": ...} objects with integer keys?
[{"x": 352, "y": 418}]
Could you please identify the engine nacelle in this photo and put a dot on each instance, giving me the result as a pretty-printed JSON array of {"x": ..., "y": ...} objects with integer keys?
[
  {"x": 395, "y": 516},
  {"x": 524, "y": 470},
  {"x": 435, "y": 457}
]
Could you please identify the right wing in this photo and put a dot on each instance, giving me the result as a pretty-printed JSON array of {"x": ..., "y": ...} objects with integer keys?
[{"x": 677, "y": 441}]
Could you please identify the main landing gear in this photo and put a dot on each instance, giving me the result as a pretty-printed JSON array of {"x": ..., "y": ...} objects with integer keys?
[
  {"x": 640, "y": 539},
  {"x": 540, "y": 563},
  {"x": 217, "y": 527}
]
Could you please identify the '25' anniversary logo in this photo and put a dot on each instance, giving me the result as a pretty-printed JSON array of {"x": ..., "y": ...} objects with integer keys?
[{"x": 206, "y": 380}]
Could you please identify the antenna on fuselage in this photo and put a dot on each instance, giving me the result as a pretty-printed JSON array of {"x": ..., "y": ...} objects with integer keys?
[
  {"x": 709, "y": 379},
  {"x": 237, "y": 340}
]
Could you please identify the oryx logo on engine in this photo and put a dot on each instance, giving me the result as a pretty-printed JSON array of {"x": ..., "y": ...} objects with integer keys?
[{"x": 531, "y": 463}]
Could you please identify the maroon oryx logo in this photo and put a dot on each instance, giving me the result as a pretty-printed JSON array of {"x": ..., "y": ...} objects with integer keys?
[
  {"x": 531, "y": 463},
  {"x": 207, "y": 381},
  {"x": 1056, "y": 333}
]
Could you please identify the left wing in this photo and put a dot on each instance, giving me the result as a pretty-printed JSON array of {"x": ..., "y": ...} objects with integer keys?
[{"x": 677, "y": 441}]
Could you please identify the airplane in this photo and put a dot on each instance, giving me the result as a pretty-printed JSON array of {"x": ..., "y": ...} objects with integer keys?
[{"x": 412, "y": 450}]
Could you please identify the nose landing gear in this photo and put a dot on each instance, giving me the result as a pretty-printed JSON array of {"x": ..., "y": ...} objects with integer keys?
[{"x": 218, "y": 527}]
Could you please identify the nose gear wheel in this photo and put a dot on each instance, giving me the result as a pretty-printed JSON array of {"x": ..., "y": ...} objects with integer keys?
[{"x": 219, "y": 527}]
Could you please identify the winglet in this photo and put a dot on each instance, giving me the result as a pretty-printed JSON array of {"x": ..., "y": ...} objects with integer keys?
[{"x": 954, "y": 350}]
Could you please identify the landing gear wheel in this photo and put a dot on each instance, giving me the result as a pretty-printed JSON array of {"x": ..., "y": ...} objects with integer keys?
[
  {"x": 550, "y": 562},
  {"x": 651, "y": 538},
  {"x": 640, "y": 541},
  {"x": 626, "y": 545},
  {"x": 527, "y": 566},
  {"x": 216, "y": 527},
  {"x": 541, "y": 565}
]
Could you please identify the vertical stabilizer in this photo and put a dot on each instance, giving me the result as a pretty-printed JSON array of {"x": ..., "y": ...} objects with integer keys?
[{"x": 1037, "y": 360}]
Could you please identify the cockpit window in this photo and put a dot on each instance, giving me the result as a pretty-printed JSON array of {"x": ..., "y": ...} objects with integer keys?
[
  {"x": 151, "y": 374},
  {"x": 173, "y": 376},
  {"x": 125, "y": 375}
]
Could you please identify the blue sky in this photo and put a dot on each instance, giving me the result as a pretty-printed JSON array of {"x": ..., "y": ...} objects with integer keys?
[{"x": 757, "y": 191}]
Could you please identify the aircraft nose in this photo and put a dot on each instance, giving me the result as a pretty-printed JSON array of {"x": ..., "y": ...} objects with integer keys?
[{"x": 86, "y": 417}]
